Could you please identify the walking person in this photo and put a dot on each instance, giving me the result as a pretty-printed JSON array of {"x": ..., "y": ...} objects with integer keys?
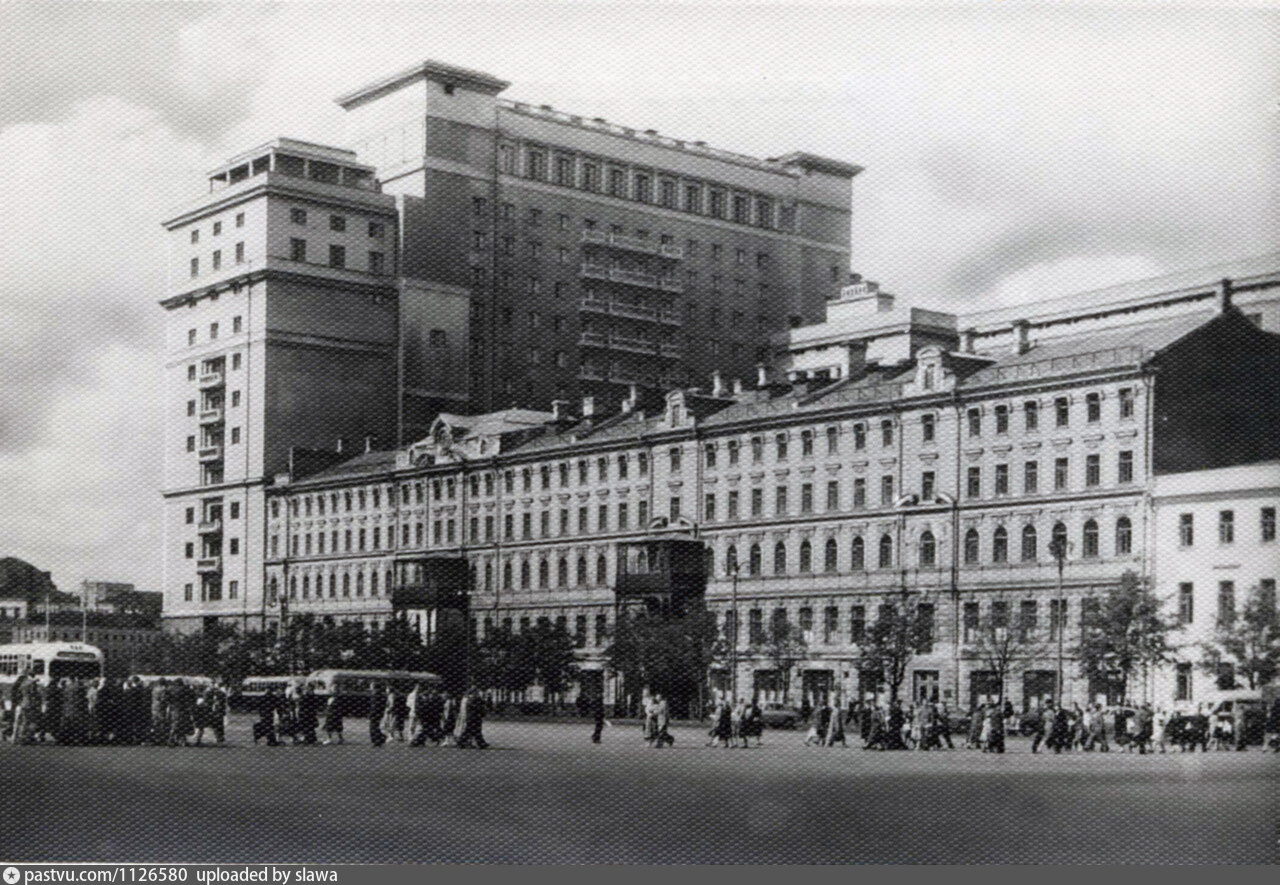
[
  {"x": 722, "y": 731},
  {"x": 1035, "y": 719},
  {"x": 472, "y": 718},
  {"x": 333, "y": 720},
  {"x": 755, "y": 722},
  {"x": 1160, "y": 730},
  {"x": 835, "y": 730},
  {"x": 597, "y": 716},
  {"x": 1143, "y": 730},
  {"x": 1060, "y": 731},
  {"x": 377, "y": 709},
  {"x": 26, "y": 697},
  {"x": 268, "y": 710},
  {"x": 449, "y": 720},
  {"x": 662, "y": 722},
  {"x": 399, "y": 714},
  {"x": 736, "y": 717},
  {"x": 993, "y": 736},
  {"x": 308, "y": 714},
  {"x": 943, "y": 718}
]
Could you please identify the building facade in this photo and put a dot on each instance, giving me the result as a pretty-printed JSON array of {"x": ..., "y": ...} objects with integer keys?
[
  {"x": 1216, "y": 548},
  {"x": 889, "y": 457},
  {"x": 469, "y": 253}
]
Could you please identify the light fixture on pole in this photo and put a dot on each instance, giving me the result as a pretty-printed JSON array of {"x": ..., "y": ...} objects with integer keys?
[{"x": 1058, "y": 548}]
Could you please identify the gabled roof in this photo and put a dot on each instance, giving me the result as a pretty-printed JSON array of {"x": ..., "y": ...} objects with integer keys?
[{"x": 361, "y": 465}]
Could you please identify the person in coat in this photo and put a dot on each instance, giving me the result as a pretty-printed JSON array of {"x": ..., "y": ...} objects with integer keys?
[
  {"x": 662, "y": 718},
  {"x": 333, "y": 720},
  {"x": 308, "y": 714},
  {"x": 268, "y": 710},
  {"x": 377, "y": 709},
  {"x": 449, "y": 720},
  {"x": 1144, "y": 728},
  {"x": 993, "y": 736},
  {"x": 755, "y": 722},
  {"x": 724, "y": 721},
  {"x": 399, "y": 714},
  {"x": 897, "y": 719},
  {"x": 597, "y": 716},
  {"x": 835, "y": 728},
  {"x": 471, "y": 717},
  {"x": 1060, "y": 730}
]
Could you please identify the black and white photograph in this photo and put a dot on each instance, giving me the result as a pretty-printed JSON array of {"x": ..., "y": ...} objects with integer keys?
[{"x": 435, "y": 433}]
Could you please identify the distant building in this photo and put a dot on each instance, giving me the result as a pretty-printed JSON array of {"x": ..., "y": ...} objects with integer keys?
[
  {"x": 120, "y": 598},
  {"x": 128, "y": 642}
]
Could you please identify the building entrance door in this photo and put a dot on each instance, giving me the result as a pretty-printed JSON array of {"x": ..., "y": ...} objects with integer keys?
[
  {"x": 1038, "y": 689},
  {"x": 818, "y": 685}
]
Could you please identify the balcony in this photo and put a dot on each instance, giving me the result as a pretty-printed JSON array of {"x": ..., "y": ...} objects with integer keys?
[
  {"x": 632, "y": 345},
  {"x": 669, "y": 316},
  {"x": 633, "y": 277},
  {"x": 595, "y": 237},
  {"x": 209, "y": 565},
  {"x": 590, "y": 373},
  {"x": 672, "y": 351},
  {"x": 593, "y": 339},
  {"x": 212, "y": 414},
  {"x": 634, "y": 311},
  {"x": 671, "y": 250},
  {"x": 209, "y": 380},
  {"x": 210, "y": 526},
  {"x": 633, "y": 244},
  {"x": 671, "y": 284},
  {"x": 595, "y": 305},
  {"x": 210, "y": 453},
  {"x": 594, "y": 271}
]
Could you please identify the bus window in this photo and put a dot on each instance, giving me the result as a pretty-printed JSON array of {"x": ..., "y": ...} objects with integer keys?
[{"x": 37, "y": 667}]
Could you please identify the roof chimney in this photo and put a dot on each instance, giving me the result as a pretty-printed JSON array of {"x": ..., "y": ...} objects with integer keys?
[
  {"x": 342, "y": 444},
  {"x": 966, "y": 340},
  {"x": 1222, "y": 297},
  {"x": 559, "y": 410},
  {"x": 633, "y": 394},
  {"x": 737, "y": 387},
  {"x": 762, "y": 375},
  {"x": 588, "y": 406},
  {"x": 717, "y": 383},
  {"x": 370, "y": 442},
  {"x": 1021, "y": 336}
]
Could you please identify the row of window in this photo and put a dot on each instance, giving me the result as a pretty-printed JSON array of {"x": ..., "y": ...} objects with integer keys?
[
  {"x": 643, "y": 186},
  {"x": 211, "y": 591},
  {"x": 217, "y": 228},
  {"x": 337, "y": 223},
  {"x": 376, "y": 262},
  {"x": 1226, "y": 614},
  {"x": 237, "y": 326},
  {"x": 1227, "y": 526},
  {"x": 215, "y": 260}
]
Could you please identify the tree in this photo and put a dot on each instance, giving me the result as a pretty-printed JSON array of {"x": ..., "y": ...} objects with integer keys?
[
  {"x": 668, "y": 655},
  {"x": 784, "y": 647},
  {"x": 1123, "y": 632},
  {"x": 1001, "y": 645},
  {"x": 550, "y": 651},
  {"x": 1248, "y": 644},
  {"x": 892, "y": 640}
]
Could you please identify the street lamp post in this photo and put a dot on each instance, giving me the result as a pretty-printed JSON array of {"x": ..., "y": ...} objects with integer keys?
[
  {"x": 1058, "y": 549},
  {"x": 732, "y": 568}
]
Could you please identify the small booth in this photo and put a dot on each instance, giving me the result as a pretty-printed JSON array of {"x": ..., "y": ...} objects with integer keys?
[
  {"x": 662, "y": 576},
  {"x": 431, "y": 595}
]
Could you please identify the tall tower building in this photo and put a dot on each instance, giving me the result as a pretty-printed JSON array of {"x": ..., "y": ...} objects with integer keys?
[
  {"x": 282, "y": 330},
  {"x": 590, "y": 255}
]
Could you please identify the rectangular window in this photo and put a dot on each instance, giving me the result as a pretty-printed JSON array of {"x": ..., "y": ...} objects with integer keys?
[
  {"x": 1002, "y": 419},
  {"x": 1226, "y": 603},
  {"x": 1031, "y": 415},
  {"x": 1182, "y": 689},
  {"x": 297, "y": 249},
  {"x": 674, "y": 511},
  {"x": 1062, "y": 411},
  {"x": 886, "y": 490},
  {"x": 970, "y": 620},
  {"x": 1124, "y": 471},
  {"x": 217, "y": 259},
  {"x": 337, "y": 255},
  {"x": 1267, "y": 527},
  {"x": 1093, "y": 407},
  {"x": 709, "y": 508},
  {"x": 1226, "y": 527},
  {"x": 1186, "y": 603},
  {"x": 298, "y": 216},
  {"x": 886, "y": 432},
  {"x": 1092, "y": 470},
  {"x": 833, "y": 494},
  {"x": 857, "y": 623},
  {"x": 757, "y": 502},
  {"x": 337, "y": 223},
  {"x": 975, "y": 422},
  {"x": 195, "y": 267},
  {"x": 859, "y": 493},
  {"x": 377, "y": 263},
  {"x": 780, "y": 500},
  {"x": 733, "y": 505},
  {"x": 973, "y": 482},
  {"x": 239, "y": 219},
  {"x": 1126, "y": 402},
  {"x": 927, "y": 427},
  {"x": 1030, "y": 477},
  {"x": 239, "y": 253},
  {"x": 1187, "y": 529},
  {"x": 806, "y": 498},
  {"x": 1002, "y": 479},
  {"x": 1060, "y": 474}
]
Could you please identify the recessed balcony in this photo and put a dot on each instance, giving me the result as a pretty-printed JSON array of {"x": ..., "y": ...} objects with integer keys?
[
  {"x": 672, "y": 351},
  {"x": 210, "y": 453},
  {"x": 210, "y": 526},
  {"x": 590, "y": 373},
  {"x": 593, "y": 339},
  {"x": 209, "y": 380},
  {"x": 209, "y": 565},
  {"x": 632, "y": 345},
  {"x": 212, "y": 414}
]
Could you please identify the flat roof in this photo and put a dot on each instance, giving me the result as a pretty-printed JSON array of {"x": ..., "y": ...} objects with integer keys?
[{"x": 430, "y": 70}]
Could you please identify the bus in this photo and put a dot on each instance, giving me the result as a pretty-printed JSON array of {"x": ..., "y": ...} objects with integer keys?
[
  {"x": 246, "y": 697},
  {"x": 351, "y": 687},
  {"x": 47, "y": 661}
]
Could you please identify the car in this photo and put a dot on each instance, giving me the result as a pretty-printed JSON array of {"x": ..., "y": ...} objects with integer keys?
[{"x": 778, "y": 715}]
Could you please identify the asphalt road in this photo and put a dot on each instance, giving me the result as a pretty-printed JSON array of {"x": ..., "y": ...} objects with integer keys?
[{"x": 544, "y": 793}]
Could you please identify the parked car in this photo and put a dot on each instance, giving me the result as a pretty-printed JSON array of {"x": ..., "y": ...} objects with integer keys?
[{"x": 777, "y": 715}]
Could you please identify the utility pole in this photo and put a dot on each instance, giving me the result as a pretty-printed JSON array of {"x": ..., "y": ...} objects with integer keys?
[
  {"x": 732, "y": 568},
  {"x": 1058, "y": 549}
]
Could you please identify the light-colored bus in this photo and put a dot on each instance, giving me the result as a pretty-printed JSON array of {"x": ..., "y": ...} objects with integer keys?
[
  {"x": 199, "y": 682},
  {"x": 351, "y": 687},
  {"x": 47, "y": 661},
  {"x": 249, "y": 693}
]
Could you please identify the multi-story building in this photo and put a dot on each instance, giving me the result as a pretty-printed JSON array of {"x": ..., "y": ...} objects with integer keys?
[
  {"x": 508, "y": 253},
  {"x": 898, "y": 457},
  {"x": 1215, "y": 535},
  {"x": 592, "y": 254}
]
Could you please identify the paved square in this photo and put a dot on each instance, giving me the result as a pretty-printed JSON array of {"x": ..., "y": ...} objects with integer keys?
[{"x": 544, "y": 793}]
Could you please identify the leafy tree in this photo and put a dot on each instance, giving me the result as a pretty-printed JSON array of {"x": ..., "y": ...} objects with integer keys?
[
  {"x": 550, "y": 652},
  {"x": 1247, "y": 644},
  {"x": 784, "y": 647},
  {"x": 1123, "y": 632},
  {"x": 892, "y": 640},
  {"x": 668, "y": 655},
  {"x": 1001, "y": 644}
]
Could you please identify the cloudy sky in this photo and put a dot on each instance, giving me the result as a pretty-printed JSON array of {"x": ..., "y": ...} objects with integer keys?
[{"x": 1013, "y": 152}]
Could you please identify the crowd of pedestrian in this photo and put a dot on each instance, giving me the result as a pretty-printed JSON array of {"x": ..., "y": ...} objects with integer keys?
[{"x": 166, "y": 712}]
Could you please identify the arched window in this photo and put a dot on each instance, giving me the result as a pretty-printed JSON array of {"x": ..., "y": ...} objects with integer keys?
[
  {"x": 359, "y": 583},
  {"x": 1090, "y": 539},
  {"x": 506, "y": 576},
  {"x": 858, "y": 554},
  {"x": 928, "y": 549},
  {"x": 754, "y": 564},
  {"x": 731, "y": 559},
  {"x": 830, "y": 554},
  {"x": 333, "y": 586},
  {"x": 346, "y": 583},
  {"x": 1000, "y": 545},
  {"x": 1124, "y": 536},
  {"x": 806, "y": 557},
  {"x": 886, "y": 551},
  {"x": 524, "y": 574},
  {"x": 971, "y": 547},
  {"x": 293, "y": 587},
  {"x": 306, "y": 586},
  {"x": 488, "y": 576},
  {"x": 602, "y": 570},
  {"x": 582, "y": 571},
  {"x": 562, "y": 572},
  {"x": 1029, "y": 552},
  {"x": 275, "y": 590},
  {"x": 780, "y": 558},
  {"x": 1059, "y": 539},
  {"x": 544, "y": 574},
  {"x": 390, "y": 581}
]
